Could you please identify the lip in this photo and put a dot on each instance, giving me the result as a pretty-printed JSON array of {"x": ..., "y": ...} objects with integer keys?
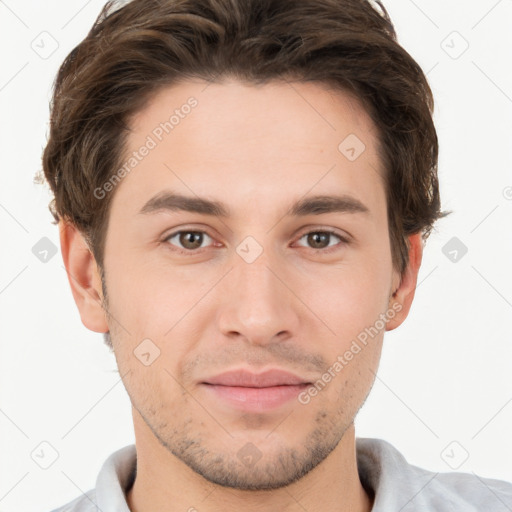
[
  {"x": 267, "y": 379},
  {"x": 251, "y": 392}
]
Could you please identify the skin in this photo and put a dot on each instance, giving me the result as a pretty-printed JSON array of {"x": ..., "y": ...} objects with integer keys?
[{"x": 257, "y": 149}]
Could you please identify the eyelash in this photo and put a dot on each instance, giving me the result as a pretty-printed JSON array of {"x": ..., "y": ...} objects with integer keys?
[{"x": 327, "y": 250}]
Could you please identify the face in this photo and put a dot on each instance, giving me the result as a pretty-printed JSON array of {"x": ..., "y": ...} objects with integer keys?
[{"x": 259, "y": 274}]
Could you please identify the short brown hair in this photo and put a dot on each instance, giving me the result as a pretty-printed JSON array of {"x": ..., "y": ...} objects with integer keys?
[{"x": 134, "y": 50}]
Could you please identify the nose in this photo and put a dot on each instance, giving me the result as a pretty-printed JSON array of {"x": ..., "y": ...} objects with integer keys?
[{"x": 259, "y": 304}]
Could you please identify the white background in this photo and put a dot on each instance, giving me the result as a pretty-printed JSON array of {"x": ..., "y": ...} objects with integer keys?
[{"x": 446, "y": 373}]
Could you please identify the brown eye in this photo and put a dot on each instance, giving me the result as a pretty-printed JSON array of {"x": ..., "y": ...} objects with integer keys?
[
  {"x": 320, "y": 240},
  {"x": 188, "y": 240}
]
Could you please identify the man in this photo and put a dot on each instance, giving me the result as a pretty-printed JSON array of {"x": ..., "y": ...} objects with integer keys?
[{"x": 243, "y": 189}]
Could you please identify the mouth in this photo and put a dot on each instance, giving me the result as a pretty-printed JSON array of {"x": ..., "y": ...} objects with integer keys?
[{"x": 252, "y": 392}]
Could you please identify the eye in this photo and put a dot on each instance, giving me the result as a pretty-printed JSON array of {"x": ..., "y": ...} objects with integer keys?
[
  {"x": 320, "y": 240},
  {"x": 189, "y": 240}
]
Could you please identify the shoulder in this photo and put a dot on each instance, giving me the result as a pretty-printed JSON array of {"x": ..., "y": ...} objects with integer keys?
[
  {"x": 115, "y": 477},
  {"x": 470, "y": 489},
  {"x": 84, "y": 503},
  {"x": 396, "y": 483}
]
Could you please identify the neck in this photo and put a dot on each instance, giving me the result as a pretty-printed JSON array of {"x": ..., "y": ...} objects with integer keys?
[{"x": 165, "y": 483}]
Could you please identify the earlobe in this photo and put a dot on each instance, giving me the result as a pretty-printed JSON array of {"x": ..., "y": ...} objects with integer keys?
[
  {"x": 401, "y": 300},
  {"x": 83, "y": 277}
]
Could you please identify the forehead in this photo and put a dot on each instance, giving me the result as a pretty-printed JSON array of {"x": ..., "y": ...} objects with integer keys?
[
  {"x": 262, "y": 140},
  {"x": 253, "y": 110}
]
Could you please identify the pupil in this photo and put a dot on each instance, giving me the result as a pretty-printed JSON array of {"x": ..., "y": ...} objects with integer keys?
[
  {"x": 187, "y": 239},
  {"x": 318, "y": 240}
]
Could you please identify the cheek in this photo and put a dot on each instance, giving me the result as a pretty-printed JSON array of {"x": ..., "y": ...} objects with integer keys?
[
  {"x": 143, "y": 300},
  {"x": 348, "y": 299},
  {"x": 154, "y": 390}
]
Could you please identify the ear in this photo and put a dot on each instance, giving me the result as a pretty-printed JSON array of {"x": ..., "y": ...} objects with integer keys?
[
  {"x": 405, "y": 286},
  {"x": 83, "y": 276}
]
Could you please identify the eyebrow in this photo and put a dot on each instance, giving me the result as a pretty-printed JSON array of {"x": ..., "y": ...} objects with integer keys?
[{"x": 315, "y": 205}]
